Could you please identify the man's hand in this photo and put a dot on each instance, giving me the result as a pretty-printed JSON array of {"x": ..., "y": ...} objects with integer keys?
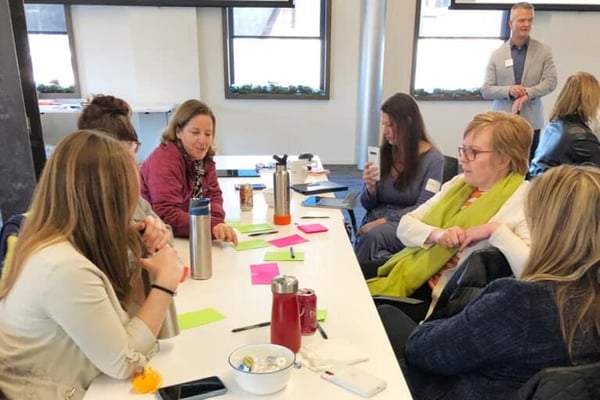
[
  {"x": 516, "y": 91},
  {"x": 519, "y": 103}
]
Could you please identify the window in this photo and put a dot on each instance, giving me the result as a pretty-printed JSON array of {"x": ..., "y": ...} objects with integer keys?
[
  {"x": 48, "y": 27},
  {"x": 277, "y": 52},
  {"x": 452, "y": 49}
]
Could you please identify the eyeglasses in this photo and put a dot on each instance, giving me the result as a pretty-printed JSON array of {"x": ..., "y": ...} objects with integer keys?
[
  {"x": 471, "y": 154},
  {"x": 135, "y": 146}
]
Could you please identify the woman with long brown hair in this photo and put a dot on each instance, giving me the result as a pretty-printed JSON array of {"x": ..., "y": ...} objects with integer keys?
[
  {"x": 65, "y": 303},
  {"x": 411, "y": 173}
]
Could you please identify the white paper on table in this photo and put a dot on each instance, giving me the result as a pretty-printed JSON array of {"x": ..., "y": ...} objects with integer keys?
[{"x": 321, "y": 355}]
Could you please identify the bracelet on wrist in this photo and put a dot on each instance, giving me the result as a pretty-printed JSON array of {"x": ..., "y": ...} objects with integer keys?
[{"x": 164, "y": 289}]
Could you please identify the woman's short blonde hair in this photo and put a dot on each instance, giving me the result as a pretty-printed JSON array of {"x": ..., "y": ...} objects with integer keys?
[
  {"x": 183, "y": 114},
  {"x": 511, "y": 136},
  {"x": 563, "y": 213},
  {"x": 580, "y": 95}
]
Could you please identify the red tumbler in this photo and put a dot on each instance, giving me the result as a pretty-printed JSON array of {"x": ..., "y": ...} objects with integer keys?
[{"x": 285, "y": 316}]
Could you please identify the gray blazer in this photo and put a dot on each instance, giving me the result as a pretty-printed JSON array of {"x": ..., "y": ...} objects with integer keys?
[{"x": 539, "y": 77}]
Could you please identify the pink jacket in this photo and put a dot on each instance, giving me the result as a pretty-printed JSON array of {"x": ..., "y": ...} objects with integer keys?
[{"x": 167, "y": 181}]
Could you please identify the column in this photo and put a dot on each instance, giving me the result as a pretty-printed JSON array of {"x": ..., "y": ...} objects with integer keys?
[{"x": 370, "y": 76}]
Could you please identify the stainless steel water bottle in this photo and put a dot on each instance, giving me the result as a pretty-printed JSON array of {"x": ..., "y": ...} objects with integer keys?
[
  {"x": 285, "y": 315},
  {"x": 170, "y": 326},
  {"x": 200, "y": 239},
  {"x": 281, "y": 192}
]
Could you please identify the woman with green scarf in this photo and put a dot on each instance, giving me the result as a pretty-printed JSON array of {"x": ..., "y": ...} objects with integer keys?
[{"x": 480, "y": 208}]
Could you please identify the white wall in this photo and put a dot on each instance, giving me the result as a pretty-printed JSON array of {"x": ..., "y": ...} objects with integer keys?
[
  {"x": 163, "y": 55},
  {"x": 143, "y": 54}
]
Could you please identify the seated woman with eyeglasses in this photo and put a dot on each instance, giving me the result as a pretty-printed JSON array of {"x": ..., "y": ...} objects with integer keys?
[
  {"x": 480, "y": 208},
  {"x": 112, "y": 116}
]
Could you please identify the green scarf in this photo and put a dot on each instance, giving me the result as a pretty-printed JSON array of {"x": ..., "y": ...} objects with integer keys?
[{"x": 410, "y": 268}]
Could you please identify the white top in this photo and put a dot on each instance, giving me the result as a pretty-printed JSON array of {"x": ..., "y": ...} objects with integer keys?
[
  {"x": 512, "y": 237},
  {"x": 61, "y": 325}
]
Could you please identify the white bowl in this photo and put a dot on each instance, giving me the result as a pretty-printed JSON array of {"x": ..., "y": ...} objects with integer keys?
[
  {"x": 269, "y": 197},
  {"x": 265, "y": 382}
]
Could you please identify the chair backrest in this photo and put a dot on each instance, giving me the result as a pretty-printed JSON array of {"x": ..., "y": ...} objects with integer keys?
[
  {"x": 581, "y": 382},
  {"x": 472, "y": 276},
  {"x": 450, "y": 168},
  {"x": 10, "y": 230}
]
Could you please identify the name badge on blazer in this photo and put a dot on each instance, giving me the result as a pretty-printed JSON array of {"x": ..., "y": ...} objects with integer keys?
[{"x": 508, "y": 63}]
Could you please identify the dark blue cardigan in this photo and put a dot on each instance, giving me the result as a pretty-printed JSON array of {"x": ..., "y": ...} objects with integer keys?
[{"x": 487, "y": 351}]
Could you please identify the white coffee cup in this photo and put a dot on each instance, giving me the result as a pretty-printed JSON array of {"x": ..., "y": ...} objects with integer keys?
[{"x": 298, "y": 171}]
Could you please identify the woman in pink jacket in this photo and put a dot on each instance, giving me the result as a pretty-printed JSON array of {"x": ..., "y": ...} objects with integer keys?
[{"x": 182, "y": 167}]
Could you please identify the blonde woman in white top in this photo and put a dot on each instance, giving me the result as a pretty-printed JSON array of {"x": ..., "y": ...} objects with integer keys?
[{"x": 63, "y": 306}]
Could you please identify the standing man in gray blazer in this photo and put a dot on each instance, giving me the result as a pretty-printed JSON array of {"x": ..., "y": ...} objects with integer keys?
[{"x": 521, "y": 72}]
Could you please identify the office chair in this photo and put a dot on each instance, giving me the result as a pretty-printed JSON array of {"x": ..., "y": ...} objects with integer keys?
[{"x": 450, "y": 168}]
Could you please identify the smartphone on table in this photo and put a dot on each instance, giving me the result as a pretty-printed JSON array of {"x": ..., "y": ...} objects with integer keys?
[{"x": 193, "y": 390}]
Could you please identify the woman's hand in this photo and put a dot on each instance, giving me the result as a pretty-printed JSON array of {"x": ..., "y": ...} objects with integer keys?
[
  {"x": 155, "y": 233},
  {"x": 366, "y": 227},
  {"x": 448, "y": 238},
  {"x": 369, "y": 175},
  {"x": 164, "y": 267},
  {"x": 225, "y": 233},
  {"x": 479, "y": 233}
]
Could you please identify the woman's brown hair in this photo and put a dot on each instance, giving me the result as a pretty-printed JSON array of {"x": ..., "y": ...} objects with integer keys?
[
  {"x": 108, "y": 114},
  {"x": 409, "y": 129},
  {"x": 184, "y": 113}
]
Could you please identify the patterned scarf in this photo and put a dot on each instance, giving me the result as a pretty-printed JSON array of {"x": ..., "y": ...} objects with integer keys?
[{"x": 198, "y": 174}]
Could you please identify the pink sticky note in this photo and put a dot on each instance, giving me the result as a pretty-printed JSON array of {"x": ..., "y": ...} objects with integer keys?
[
  {"x": 312, "y": 228},
  {"x": 288, "y": 241},
  {"x": 262, "y": 274}
]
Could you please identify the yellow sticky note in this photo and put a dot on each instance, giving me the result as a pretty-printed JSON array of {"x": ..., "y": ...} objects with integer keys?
[{"x": 196, "y": 318}]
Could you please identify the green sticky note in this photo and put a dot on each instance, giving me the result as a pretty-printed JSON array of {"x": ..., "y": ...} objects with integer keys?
[
  {"x": 252, "y": 244},
  {"x": 321, "y": 315},
  {"x": 248, "y": 228},
  {"x": 284, "y": 256},
  {"x": 193, "y": 319},
  {"x": 254, "y": 228}
]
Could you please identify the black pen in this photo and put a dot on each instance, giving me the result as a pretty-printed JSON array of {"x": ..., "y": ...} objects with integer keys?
[
  {"x": 292, "y": 252},
  {"x": 322, "y": 331},
  {"x": 262, "y": 233},
  {"x": 314, "y": 217},
  {"x": 246, "y": 328}
]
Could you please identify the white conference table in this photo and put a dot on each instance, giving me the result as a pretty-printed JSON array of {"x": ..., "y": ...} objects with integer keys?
[{"x": 330, "y": 268}]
